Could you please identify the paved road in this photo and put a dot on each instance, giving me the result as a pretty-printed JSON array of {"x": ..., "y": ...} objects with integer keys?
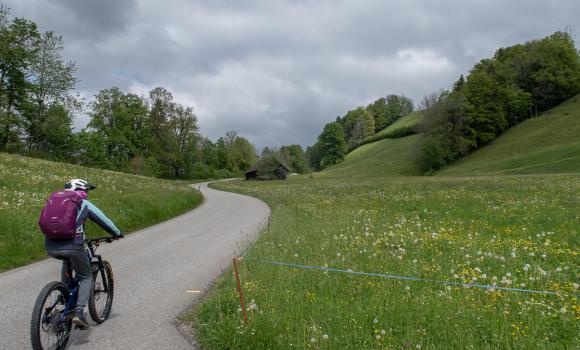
[{"x": 154, "y": 270}]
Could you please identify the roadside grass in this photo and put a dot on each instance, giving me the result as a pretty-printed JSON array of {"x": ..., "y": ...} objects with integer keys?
[
  {"x": 388, "y": 157},
  {"x": 547, "y": 144},
  {"x": 132, "y": 202},
  {"x": 520, "y": 232}
]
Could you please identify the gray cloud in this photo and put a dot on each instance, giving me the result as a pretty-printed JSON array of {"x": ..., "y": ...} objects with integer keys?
[{"x": 277, "y": 71}]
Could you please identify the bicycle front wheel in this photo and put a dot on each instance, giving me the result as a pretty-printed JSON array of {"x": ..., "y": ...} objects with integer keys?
[
  {"x": 101, "y": 298},
  {"x": 50, "y": 326}
]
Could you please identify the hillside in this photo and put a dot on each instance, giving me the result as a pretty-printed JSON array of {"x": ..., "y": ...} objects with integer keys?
[
  {"x": 132, "y": 202},
  {"x": 403, "y": 126},
  {"x": 380, "y": 158},
  {"x": 548, "y": 144}
]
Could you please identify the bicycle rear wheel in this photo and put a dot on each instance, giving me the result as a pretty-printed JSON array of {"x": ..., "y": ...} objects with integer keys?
[
  {"x": 50, "y": 327},
  {"x": 101, "y": 298}
]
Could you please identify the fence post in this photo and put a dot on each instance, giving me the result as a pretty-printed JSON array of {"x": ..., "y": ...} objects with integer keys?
[{"x": 240, "y": 291}]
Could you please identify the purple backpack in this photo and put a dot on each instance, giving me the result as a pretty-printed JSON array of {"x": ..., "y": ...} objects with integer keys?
[{"x": 58, "y": 219}]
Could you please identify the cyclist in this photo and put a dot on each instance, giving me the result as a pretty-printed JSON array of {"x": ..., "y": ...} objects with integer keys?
[{"x": 75, "y": 252}]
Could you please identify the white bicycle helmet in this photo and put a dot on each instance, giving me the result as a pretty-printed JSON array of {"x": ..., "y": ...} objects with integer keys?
[{"x": 79, "y": 184}]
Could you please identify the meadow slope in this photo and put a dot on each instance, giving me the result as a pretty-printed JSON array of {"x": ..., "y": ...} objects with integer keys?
[
  {"x": 547, "y": 144},
  {"x": 132, "y": 202},
  {"x": 386, "y": 157}
]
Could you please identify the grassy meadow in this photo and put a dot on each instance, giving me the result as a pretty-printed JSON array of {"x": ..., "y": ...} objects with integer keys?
[
  {"x": 132, "y": 202},
  {"x": 509, "y": 231}
]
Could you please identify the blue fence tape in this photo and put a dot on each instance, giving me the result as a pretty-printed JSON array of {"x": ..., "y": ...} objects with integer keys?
[{"x": 406, "y": 278}]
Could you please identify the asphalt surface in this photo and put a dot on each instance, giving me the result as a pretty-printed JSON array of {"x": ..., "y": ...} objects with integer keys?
[{"x": 159, "y": 272}]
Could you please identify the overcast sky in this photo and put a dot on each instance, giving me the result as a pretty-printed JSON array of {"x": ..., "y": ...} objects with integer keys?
[{"x": 277, "y": 71}]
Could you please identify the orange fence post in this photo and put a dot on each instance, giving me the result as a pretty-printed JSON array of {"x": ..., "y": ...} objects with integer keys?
[{"x": 240, "y": 291}]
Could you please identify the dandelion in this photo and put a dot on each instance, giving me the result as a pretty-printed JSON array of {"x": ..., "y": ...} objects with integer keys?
[{"x": 325, "y": 336}]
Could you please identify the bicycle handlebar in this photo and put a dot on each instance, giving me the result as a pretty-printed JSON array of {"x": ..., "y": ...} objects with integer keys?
[{"x": 94, "y": 242}]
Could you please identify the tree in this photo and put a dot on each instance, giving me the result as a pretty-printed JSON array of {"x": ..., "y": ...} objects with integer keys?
[
  {"x": 294, "y": 157},
  {"x": 333, "y": 146},
  {"x": 182, "y": 123},
  {"x": 53, "y": 81},
  {"x": 385, "y": 111},
  {"x": 358, "y": 124},
  {"x": 485, "y": 103},
  {"x": 117, "y": 119},
  {"x": 449, "y": 134},
  {"x": 314, "y": 156},
  {"x": 18, "y": 45}
]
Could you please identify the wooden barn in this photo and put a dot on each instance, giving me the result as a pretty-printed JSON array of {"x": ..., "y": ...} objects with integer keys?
[{"x": 270, "y": 169}]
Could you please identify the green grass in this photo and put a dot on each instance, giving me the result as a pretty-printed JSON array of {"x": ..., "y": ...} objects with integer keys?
[
  {"x": 543, "y": 145},
  {"x": 513, "y": 231},
  {"x": 132, "y": 202},
  {"x": 407, "y": 125},
  {"x": 382, "y": 158}
]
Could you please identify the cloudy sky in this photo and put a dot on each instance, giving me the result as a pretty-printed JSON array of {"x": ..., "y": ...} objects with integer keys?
[{"x": 277, "y": 71}]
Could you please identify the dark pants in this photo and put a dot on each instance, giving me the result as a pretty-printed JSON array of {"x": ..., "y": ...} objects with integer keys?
[{"x": 81, "y": 264}]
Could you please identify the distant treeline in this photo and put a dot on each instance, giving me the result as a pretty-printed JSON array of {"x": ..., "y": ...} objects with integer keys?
[
  {"x": 518, "y": 83},
  {"x": 150, "y": 135},
  {"x": 350, "y": 131}
]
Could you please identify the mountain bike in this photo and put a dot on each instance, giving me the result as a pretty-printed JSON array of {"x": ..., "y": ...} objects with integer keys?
[{"x": 51, "y": 323}]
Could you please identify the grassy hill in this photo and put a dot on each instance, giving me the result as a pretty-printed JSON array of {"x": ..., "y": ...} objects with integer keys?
[
  {"x": 386, "y": 157},
  {"x": 405, "y": 126},
  {"x": 548, "y": 144},
  {"x": 544, "y": 145},
  {"x": 132, "y": 202}
]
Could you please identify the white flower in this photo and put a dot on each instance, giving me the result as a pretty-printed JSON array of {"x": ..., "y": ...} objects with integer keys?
[
  {"x": 383, "y": 331},
  {"x": 407, "y": 288},
  {"x": 378, "y": 337},
  {"x": 576, "y": 285},
  {"x": 375, "y": 321},
  {"x": 563, "y": 310},
  {"x": 325, "y": 336}
]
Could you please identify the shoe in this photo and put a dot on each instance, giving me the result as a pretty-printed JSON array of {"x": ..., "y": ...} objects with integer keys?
[{"x": 80, "y": 320}]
